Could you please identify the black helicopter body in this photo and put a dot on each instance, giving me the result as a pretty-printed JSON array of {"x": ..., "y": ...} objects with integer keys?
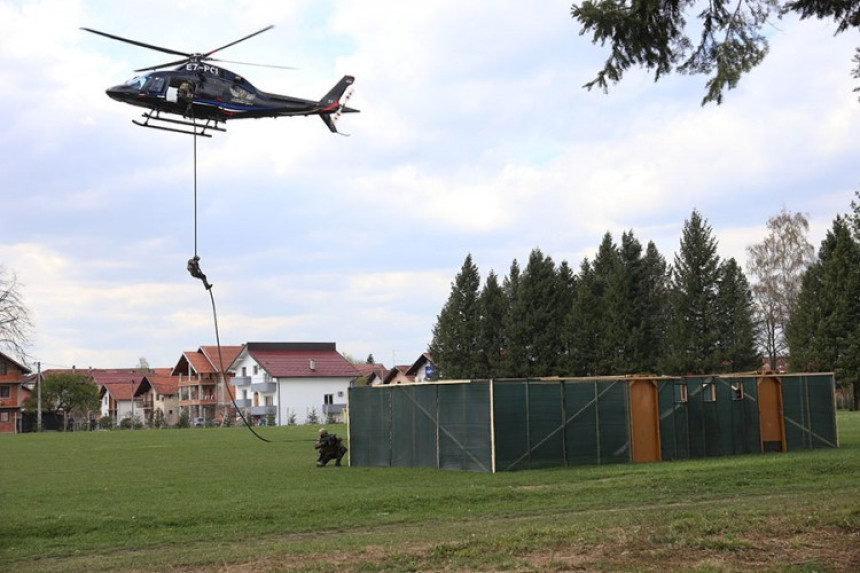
[{"x": 198, "y": 90}]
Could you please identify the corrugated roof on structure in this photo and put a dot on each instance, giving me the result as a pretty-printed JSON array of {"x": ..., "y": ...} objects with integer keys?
[{"x": 300, "y": 359}]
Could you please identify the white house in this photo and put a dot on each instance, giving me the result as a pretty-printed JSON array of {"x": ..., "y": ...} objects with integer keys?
[{"x": 291, "y": 379}]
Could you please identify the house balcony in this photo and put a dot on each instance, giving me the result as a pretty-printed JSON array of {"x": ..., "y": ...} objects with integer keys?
[
  {"x": 262, "y": 410},
  {"x": 243, "y": 403},
  {"x": 241, "y": 381},
  {"x": 264, "y": 387},
  {"x": 333, "y": 409}
]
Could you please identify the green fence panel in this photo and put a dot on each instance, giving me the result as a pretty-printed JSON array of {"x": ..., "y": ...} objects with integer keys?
[
  {"x": 822, "y": 395},
  {"x": 808, "y": 407},
  {"x": 510, "y": 425},
  {"x": 546, "y": 424},
  {"x": 613, "y": 421},
  {"x": 369, "y": 427},
  {"x": 673, "y": 420},
  {"x": 796, "y": 414},
  {"x": 580, "y": 422},
  {"x": 696, "y": 417},
  {"x": 464, "y": 427},
  {"x": 413, "y": 429},
  {"x": 752, "y": 435}
]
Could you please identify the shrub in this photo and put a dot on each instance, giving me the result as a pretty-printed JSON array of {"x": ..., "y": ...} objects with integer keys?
[
  {"x": 312, "y": 417},
  {"x": 291, "y": 418},
  {"x": 184, "y": 419},
  {"x": 106, "y": 423},
  {"x": 158, "y": 419}
]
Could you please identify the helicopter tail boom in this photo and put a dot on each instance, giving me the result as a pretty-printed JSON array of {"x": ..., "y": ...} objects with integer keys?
[{"x": 330, "y": 105}]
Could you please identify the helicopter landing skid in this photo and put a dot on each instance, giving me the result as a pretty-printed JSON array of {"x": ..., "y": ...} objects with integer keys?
[{"x": 198, "y": 129}]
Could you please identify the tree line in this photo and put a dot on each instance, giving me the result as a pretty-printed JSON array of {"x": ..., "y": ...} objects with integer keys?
[{"x": 629, "y": 311}]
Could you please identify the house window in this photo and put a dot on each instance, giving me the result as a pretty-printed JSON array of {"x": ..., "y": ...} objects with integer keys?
[
  {"x": 269, "y": 401},
  {"x": 244, "y": 394},
  {"x": 4, "y": 416},
  {"x": 2, "y": 368},
  {"x": 256, "y": 369},
  {"x": 5, "y": 392},
  {"x": 244, "y": 371},
  {"x": 680, "y": 393},
  {"x": 328, "y": 399},
  {"x": 709, "y": 392},
  {"x": 340, "y": 394}
]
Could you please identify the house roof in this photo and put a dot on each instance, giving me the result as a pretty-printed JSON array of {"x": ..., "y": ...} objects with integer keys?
[
  {"x": 205, "y": 360},
  {"x": 166, "y": 385},
  {"x": 299, "y": 359},
  {"x": 422, "y": 360},
  {"x": 228, "y": 355},
  {"x": 21, "y": 367},
  {"x": 119, "y": 391},
  {"x": 368, "y": 369},
  {"x": 400, "y": 369}
]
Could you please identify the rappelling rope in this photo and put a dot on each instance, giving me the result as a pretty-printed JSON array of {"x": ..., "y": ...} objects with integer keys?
[{"x": 194, "y": 269}]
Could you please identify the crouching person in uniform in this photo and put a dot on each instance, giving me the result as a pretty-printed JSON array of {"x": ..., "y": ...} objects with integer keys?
[{"x": 330, "y": 448}]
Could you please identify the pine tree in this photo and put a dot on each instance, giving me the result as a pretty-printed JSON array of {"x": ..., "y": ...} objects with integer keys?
[
  {"x": 514, "y": 338},
  {"x": 535, "y": 311},
  {"x": 655, "y": 303},
  {"x": 493, "y": 307},
  {"x": 736, "y": 327},
  {"x": 692, "y": 335},
  {"x": 824, "y": 330},
  {"x": 454, "y": 344}
]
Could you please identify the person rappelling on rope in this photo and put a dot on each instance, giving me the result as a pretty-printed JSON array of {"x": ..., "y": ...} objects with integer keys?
[{"x": 194, "y": 269}]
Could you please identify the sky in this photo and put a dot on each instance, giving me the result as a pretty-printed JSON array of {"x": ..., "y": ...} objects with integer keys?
[{"x": 475, "y": 137}]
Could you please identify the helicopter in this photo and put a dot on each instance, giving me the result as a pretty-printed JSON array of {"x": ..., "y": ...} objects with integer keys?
[{"x": 198, "y": 89}]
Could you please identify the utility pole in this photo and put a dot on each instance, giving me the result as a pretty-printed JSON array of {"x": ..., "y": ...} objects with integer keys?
[{"x": 38, "y": 396}]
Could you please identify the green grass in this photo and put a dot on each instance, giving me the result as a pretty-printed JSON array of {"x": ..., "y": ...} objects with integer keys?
[{"x": 208, "y": 499}]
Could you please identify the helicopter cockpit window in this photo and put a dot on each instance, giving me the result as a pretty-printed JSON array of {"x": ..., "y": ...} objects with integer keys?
[
  {"x": 155, "y": 84},
  {"x": 136, "y": 82}
]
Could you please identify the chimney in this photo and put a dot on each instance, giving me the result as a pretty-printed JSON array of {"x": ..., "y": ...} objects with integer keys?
[{"x": 313, "y": 364}]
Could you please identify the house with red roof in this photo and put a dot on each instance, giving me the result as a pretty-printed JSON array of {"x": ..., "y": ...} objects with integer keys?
[
  {"x": 286, "y": 380},
  {"x": 118, "y": 397},
  {"x": 422, "y": 370},
  {"x": 202, "y": 391},
  {"x": 12, "y": 375},
  {"x": 370, "y": 373},
  {"x": 158, "y": 393}
]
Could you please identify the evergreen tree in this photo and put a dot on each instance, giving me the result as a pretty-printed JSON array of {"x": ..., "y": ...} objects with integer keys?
[
  {"x": 655, "y": 305},
  {"x": 693, "y": 335},
  {"x": 824, "y": 329},
  {"x": 535, "y": 312},
  {"x": 493, "y": 307},
  {"x": 454, "y": 343},
  {"x": 591, "y": 332},
  {"x": 514, "y": 337},
  {"x": 736, "y": 327}
]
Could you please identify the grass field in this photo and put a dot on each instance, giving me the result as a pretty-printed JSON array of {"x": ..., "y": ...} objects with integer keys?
[{"x": 219, "y": 499}]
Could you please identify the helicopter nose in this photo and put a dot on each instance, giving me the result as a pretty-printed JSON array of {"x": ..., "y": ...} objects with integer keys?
[{"x": 119, "y": 93}]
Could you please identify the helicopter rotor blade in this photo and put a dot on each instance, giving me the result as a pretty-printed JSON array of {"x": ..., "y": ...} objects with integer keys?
[
  {"x": 267, "y": 28},
  {"x": 167, "y": 65},
  {"x": 207, "y": 54},
  {"x": 251, "y": 64},
  {"x": 136, "y": 43}
]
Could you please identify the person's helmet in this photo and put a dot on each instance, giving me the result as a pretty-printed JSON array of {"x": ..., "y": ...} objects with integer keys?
[{"x": 323, "y": 432}]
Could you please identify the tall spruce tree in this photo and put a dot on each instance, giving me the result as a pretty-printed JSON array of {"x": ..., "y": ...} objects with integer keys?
[
  {"x": 735, "y": 324},
  {"x": 493, "y": 307},
  {"x": 824, "y": 329},
  {"x": 514, "y": 339},
  {"x": 655, "y": 297},
  {"x": 590, "y": 332},
  {"x": 535, "y": 311},
  {"x": 693, "y": 335},
  {"x": 454, "y": 346}
]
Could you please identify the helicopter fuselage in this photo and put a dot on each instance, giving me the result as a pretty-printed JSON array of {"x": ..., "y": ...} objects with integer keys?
[{"x": 203, "y": 91}]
